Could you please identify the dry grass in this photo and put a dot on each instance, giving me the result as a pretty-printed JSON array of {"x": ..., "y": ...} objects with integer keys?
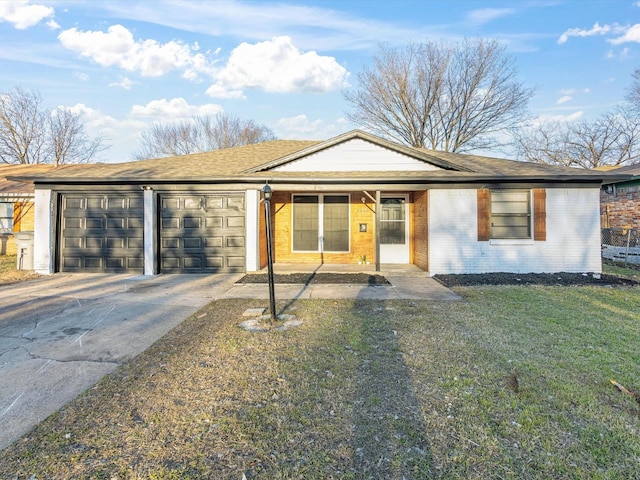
[
  {"x": 9, "y": 274},
  {"x": 511, "y": 382}
]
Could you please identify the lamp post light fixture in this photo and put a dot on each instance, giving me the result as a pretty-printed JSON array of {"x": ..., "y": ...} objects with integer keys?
[{"x": 266, "y": 193}]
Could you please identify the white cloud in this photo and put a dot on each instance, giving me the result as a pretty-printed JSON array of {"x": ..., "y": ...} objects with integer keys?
[
  {"x": 175, "y": 108},
  {"x": 597, "y": 29},
  {"x": 486, "y": 15},
  {"x": 81, "y": 76},
  {"x": 22, "y": 14},
  {"x": 564, "y": 99},
  {"x": 277, "y": 66},
  {"x": 572, "y": 117},
  {"x": 632, "y": 34},
  {"x": 117, "y": 47},
  {"x": 124, "y": 83}
]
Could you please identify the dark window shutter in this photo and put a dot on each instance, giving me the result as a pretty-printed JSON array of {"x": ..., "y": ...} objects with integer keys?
[
  {"x": 539, "y": 214},
  {"x": 484, "y": 215}
]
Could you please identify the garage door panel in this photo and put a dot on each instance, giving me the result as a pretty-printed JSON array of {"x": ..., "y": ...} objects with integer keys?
[
  {"x": 197, "y": 235},
  {"x": 192, "y": 222},
  {"x": 235, "y": 241},
  {"x": 101, "y": 233},
  {"x": 193, "y": 243},
  {"x": 214, "y": 222}
]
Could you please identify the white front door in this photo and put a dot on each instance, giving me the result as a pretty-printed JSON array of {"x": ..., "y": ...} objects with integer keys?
[{"x": 394, "y": 230}]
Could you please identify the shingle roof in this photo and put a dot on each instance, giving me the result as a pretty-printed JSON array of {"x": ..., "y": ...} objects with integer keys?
[
  {"x": 22, "y": 188},
  {"x": 256, "y": 163},
  {"x": 628, "y": 170}
]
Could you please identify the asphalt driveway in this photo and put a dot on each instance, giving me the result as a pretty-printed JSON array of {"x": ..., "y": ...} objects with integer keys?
[{"x": 59, "y": 335}]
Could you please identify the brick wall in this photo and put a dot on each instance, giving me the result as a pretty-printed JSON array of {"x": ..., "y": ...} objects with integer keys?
[{"x": 621, "y": 209}]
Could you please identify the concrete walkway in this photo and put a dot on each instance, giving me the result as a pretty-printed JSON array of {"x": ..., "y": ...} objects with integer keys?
[
  {"x": 61, "y": 334},
  {"x": 408, "y": 282}
]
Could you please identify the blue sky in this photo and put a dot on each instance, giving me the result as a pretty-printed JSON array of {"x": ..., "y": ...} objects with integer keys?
[{"x": 126, "y": 64}]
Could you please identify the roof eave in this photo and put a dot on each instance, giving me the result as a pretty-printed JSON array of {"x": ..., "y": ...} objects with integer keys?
[{"x": 261, "y": 177}]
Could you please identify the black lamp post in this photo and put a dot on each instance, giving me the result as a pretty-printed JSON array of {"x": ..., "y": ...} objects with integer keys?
[{"x": 266, "y": 193}]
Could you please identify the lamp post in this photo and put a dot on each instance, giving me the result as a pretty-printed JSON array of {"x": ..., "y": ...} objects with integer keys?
[{"x": 266, "y": 193}]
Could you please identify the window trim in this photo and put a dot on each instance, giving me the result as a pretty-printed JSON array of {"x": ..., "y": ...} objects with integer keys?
[
  {"x": 538, "y": 210},
  {"x": 321, "y": 221}
]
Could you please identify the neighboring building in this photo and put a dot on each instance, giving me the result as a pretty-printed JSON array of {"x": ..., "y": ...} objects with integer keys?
[
  {"x": 16, "y": 204},
  {"x": 620, "y": 199},
  {"x": 335, "y": 201}
]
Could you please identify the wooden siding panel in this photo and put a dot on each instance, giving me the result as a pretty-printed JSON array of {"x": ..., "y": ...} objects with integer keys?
[
  {"x": 421, "y": 230},
  {"x": 540, "y": 214},
  {"x": 484, "y": 215},
  {"x": 361, "y": 243}
]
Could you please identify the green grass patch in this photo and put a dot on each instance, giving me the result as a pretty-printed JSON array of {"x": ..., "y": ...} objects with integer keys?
[{"x": 510, "y": 382}]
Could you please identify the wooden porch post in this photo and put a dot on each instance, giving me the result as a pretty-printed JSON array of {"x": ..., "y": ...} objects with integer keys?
[{"x": 377, "y": 238}]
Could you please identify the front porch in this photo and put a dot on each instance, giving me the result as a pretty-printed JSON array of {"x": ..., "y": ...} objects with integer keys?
[{"x": 356, "y": 230}]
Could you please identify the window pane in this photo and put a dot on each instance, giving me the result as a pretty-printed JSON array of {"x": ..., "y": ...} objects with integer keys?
[
  {"x": 6, "y": 216},
  {"x": 392, "y": 233},
  {"x": 305, "y": 223},
  {"x": 392, "y": 221},
  {"x": 336, "y": 223},
  {"x": 510, "y": 214}
]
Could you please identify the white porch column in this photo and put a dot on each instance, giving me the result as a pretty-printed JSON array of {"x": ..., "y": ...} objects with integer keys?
[
  {"x": 43, "y": 232},
  {"x": 150, "y": 247},
  {"x": 252, "y": 230}
]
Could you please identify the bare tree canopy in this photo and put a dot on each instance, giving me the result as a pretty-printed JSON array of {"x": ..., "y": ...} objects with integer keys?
[
  {"x": 31, "y": 134},
  {"x": 452, "y": 97},
  {"x": 612, "y": 139},
  {"x": 633, "y": 93},
  {"x": 200, "y": 134}
]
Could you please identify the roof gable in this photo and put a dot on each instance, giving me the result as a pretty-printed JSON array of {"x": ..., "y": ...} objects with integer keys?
[{"x": 356, "y": 151}]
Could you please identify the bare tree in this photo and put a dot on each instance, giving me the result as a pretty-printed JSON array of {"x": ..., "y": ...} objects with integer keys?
[
  {"x": 633, "y": 92},
  {"x": 22, "y": 125},
  {"x": 200, "y": 134},
  {"x": 68, "y": 140},
  {"x": 451, "y": 97},
  {"x": 31, "y": 134},
  {"x": 612, "y": 139}
]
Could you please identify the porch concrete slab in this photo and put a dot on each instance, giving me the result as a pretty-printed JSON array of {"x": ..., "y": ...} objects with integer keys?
[{"x": 406, "y": 284}]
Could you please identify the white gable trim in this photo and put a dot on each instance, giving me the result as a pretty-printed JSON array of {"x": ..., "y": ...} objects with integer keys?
[{"x": 356, "y": 155}]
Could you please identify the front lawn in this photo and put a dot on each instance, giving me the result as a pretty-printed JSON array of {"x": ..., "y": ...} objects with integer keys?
[
  {"x": 510, "y": 382},
  {"x": 8, "y": 272}
]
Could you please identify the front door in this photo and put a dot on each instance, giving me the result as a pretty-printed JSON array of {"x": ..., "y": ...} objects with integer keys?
[{"x": 394, "y": 230}]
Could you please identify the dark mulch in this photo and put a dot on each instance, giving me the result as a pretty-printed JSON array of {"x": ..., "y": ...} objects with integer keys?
[
  {"x": 318, "y": 278},
  {"x": 562, "y": 278}
]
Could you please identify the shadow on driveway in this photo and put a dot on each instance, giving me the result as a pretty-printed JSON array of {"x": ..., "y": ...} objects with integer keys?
[{"x": 59, "y": 335}]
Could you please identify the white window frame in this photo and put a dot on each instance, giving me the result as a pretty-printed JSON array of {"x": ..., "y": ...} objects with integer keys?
[
  {"x": 11, "y": 212},
  {"x": 530, "y": 214},
  {"x": 321, "y": 221}
]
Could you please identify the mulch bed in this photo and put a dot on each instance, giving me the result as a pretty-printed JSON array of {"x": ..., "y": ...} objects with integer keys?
[
  {"x": 318, "y": 279},
  {"x": 563, "y": 279}
]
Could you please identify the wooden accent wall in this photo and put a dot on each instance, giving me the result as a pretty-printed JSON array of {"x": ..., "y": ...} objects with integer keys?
[
  {"x": 262, "y": 235},
  {"x": 361, "y": 243},
  {"x": 421, "y": 229},
  {"x": 23, "y": 216}
]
